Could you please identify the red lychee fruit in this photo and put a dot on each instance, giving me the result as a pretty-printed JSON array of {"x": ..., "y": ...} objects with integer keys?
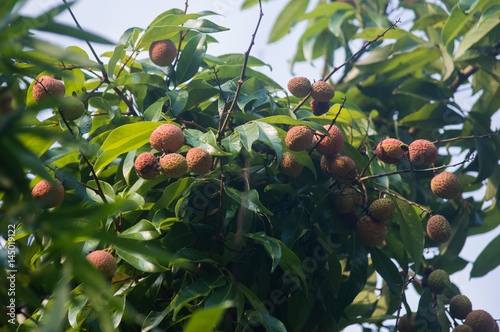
[
  {"x": 299, "y": 86},
  {"x": 480, "y": 321},
  {"x": 289, "y": 166},
  {"x": 329, "y": 146},
  {"x": 104, "y": 262},
  {"x": 460, "y": 306},
  {"x": 199, "y": 161},
  {"x": 422, "y": 152},
  {"x": 371, "y": 232},
  {"x": 46, "y": 86},
  {"x": 173, "y": 165},
  {"x": 319, "y": 107},
  {"x": 48, "y": 194},
  {"x": 446, "y": 185},
  {"x": 162, "y": 52},
  {"x": 299, "y": 138},
  {"x": 438, "y": 229},
  {"x": 391, "y": 150},
  {"x": 407, "y": 325},
  {"x": 167, "y": 138},
  {"x": 147, "y": 166},
  {"x": 342, "y": 168},
  {"x": 322, "y": 91},
  {"x": 382, "y": 209}
]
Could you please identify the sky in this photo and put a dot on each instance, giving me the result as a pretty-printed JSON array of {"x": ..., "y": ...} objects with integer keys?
[{"x": 110, "y": 18}]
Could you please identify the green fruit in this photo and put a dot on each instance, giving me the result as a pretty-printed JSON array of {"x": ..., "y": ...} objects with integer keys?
[
  {"x": 438, "y": 281},
  {"x": 342, "y": 168},
  {"x": 173, "y": 165},
  {"x": 299, "y": 86},
  {"x": 162, "y": 52},
  {"x": 438, "y": 229},
  {"x": 391, "y": 150},
  {"x": 47, "y": 193},
  {"x": 422, "y": 152},
  {"x": 462, "y": 328},
  {"x": 329, "y": 146},
  {"x": 147, "y": 166},
  {"x": 480, "y": 321},
  {"x": 289, "y": 166},
  {"x": 342, "y": 203},
  {"x": 322, "y": 91},
  {"x": 104, "y": 262},
  {"x": 382, "y": 209},
  {"x": 167, "y": 138},
  {"x": 406, "y": 325},
  {"x": 460, "y": 306},
  {"x": 299, "y": 138},
  {"x": 71, "y": 108},
  {"x": 357, "y": 197},
  {"x": 370, "y": 232},
  {"x": 199, "y": 161},
  {"x": 46, "y": 86},
  {"x": 319, "y": 107},
  {"x": 446, "y": 185}
]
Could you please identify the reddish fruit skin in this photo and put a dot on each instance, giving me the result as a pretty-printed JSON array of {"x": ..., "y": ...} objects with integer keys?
[
  {"x": 46, "y": 86},
  {"x": 104, "y": 262},
  {"x": 289, "y": 166},
  {"x": 173, "y": 165},
  {"x": 446, "y": 185},
  {"x": 371, "y": 232},
  {"x": 329, "y": 146},
  {"x": 422, "y": 152},
  {"x": 299, "y": 138},
  {"x": 199, "y": 161},
  {"x": 167, "y": 138},
  {"x": 342, "y": 168},
  {"x": 406, "y": 325},
  {"x": 460, "y": 306},
  {"x": 480, "y": 321},
  {"x": 48, "y": 194},
  {"x": 147, "y": 166},
  {"x": 382, "y": 209},
  {"x": 322, "y": 91},
  {"x": 342, "y": 204},
  {"x": 162, "y": 52},
  {"x": 462, "y": 328},
  {"x": 438, "y": 229},
  {"x": 299, "y": 86},
  {"x": 319, "y": 107},
  {"x": 390, "y": 151}
]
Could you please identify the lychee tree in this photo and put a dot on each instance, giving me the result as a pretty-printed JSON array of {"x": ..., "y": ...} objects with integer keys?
[{"x": 199, "y": 194}]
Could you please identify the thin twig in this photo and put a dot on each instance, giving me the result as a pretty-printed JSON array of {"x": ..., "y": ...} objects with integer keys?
[{"x": 465, "y": 137}]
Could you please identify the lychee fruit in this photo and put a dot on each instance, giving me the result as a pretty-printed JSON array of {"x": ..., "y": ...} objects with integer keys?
[
  {"x": 371, "y": 232},
  {"x": 422, "y": 152},
  {"x": 71, "y": 108},
  {"x": 329, "y": 146},
  {"x": 322, "y": 91},
  {"x": 446, "y": 185},
  {"x": 104, "y": 262},
  {"x": 299, "y": 86},
  {"x": 480, "y": 321},
  {"x": 342, "y": 168},
  {"x": 319, "y": 107},
  {"x": 382, "y": 209},
  {"x": 438, "y": 281},
  {"x": 167, "y": 138},
  {"x": 460, "y": 306},
  {"x": 462, "y": 328},
  {"x": 323, "y": 163},
  {"x": 162, "y": 52},
  {"x": 199, "y": 161},
  {"x": 147, "y": 166},
  {"x": 46, "y": 86},
  {"x": 438, "y": 229},
  {"x": 289, "y": 166},
  {"x": 173, "y": 165},
  {"x": 391, "y": 150},
  {"x": 407, "y": 325},
  {"x": 299, "y": 138},
  {"x": 342, "y": 204},
  {"x": 357, "y": 197},
  {"x": 47, "y": 193}
]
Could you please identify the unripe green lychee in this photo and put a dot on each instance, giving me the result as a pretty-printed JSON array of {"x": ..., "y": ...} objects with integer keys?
[
  {"x": 446, "y": 185},
  {"x": 462, "y": 328},
  {"x": 104, "y": 262},
  {"x": 460, "y": 306},
  {"x": 289, "y": 166},
  {"x": 371, "y": 232},
  {"x": 167, "y": 138},
  {"x": 299, "y": 138},
  {"x": 162, "y": 52},
  {"x": 422, "y": 152},
  {"x": 147, "y": 166},
  {"x": 319, "y": 107},
  {"x": 71, "y": 108},
  {"x": 329, "y": 146},
  {"x": 299, "y": 86},
  {"x": 382, "y": 209},
  {"x": 407, "y": 325},
  {"x": 199, "y": 161},
  {"x": 480, "y": 321},
  {"x": 438, "y": 229},
  {"x": 322, "y": 91},
  {"x": 391, "y": 150},
  {"x": 358, "y": 198},
  {"x": 342, "y": 204},
  {"x": 46, "y": 86},
  {"x": 438, "y": 281},
  {"x": 342, "y": 168},
  {"x": 48, "y": 194},
  {"x": 173, "y": 165}
]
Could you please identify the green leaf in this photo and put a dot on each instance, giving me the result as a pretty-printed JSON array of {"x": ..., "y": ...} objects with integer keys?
[
  {"x": 206, "y": 141},
  {"x": 292, "y": 12},
  {"x": 487, "y": 260},
  {"x": 178, "y": 100},
  {"x": 207, "y": 319},
  {"x": 140, "y": 261},
  {"x": 411, "y": 231},
  {"x": 142, "y": 231},
  {"x": 70, "y": 31},
  {"x": 419, "y": 88},
  {"x": 271, "y": 245},
  {"x": 152, "y": 113},
  {"x": 191, "y": 58},
  {"x": 117, "y": 55},
  {"x": 172, "y": 192},
  {"x": 248, "y": 199},
  {"x": 269, "y": 134},
  {"x": 387, "y": 270},
  {"x": 75, "y": 308},
  {"x": 291, "y": 265},
  {"x": 326, "y": 9},
  {"x": 432, "y": 114},
  {"x": 426, "y": 319},
  {"x": 476, "y": 34}
]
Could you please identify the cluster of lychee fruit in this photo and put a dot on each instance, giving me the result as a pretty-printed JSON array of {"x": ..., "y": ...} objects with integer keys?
[{"x": 321, "y": 93}]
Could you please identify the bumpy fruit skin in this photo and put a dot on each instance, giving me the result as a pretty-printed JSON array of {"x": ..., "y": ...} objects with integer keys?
[
  {"x": 167, "y": 138},
  {"x": 496, "y": 328},
  {"x": 438, "y": 281},
  {"x": 422, "y": 152},
  {"x": 299, "y": 86},
  {"x": 162, "y": 52},
  {"x": 438, "y": 229},
  {"x": 173, "y": 165},
  {"x": 319, "y": 107},
  {"x": 371, "y": 232},
  {"x": 46, "y": 86},
  {"x": 342, "y": 203},
  {"x": 329, "y": 146},
  {"x": 104, "y": 262},
  {"x": 147, "y": 166},
  {"x": 460, "y": 306},
  {"x": 289, "y": 166},
  {"x": 462, "y": 328},
  {"x": 480, "y": 321},
  {"x": 357, "y": 197},
  {"x": 390, "y": 150},
  {"x": 446, "y": 185},
  {"x": 324, "y": 165},
  {"x": 322, "y": 91},
  {"x": 382, "y": 209},
  {"x": 199, "y": 161},
  {"x": 71, "y": 108},
  {"x": 48, "y": 194},
  {"x": 342, "y": 168},
  {"x": 406, "y": 325},
  {"x": 299, "y": 138}
]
